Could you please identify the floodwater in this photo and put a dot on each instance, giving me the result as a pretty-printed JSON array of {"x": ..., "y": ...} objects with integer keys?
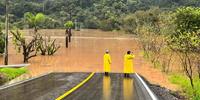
[{"x": 85, "y": 53}]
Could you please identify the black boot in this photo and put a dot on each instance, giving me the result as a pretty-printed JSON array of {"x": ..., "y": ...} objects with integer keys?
[
  {"x": 125, "y": 75},
  {"x": 128, "y": 75},
  {"x": 106, "y": 73}
]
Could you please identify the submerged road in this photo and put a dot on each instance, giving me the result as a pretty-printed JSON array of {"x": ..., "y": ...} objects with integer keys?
[{"x": 95, "y": 87}]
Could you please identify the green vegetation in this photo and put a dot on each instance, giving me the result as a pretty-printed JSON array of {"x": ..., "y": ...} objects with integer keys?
[
  {"x": 69, "y": 24},
  {"x": 165, "y": 28},
  {"x": 104, "y": 14},
  {"x": 29, "y": 48},
  {"x": 184, "y": 83},
  {"x": 12, "y": 73},
  {"x": 167, "y": 34},
  {"x": 34, "y": 21},
  {"x": 186, "y": 38},
  {"x": 38, "y": 43}
]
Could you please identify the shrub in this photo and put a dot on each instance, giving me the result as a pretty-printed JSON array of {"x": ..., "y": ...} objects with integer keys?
[
  {"x": 129, "y": 24},
  {"x": 184, "y": 83},
  {"x": 47, "y": 46},
  {"x": 12, "y": 73},
  {"x": 52, "y": 47}
]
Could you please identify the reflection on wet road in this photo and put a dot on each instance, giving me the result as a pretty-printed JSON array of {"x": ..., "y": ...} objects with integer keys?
[
  {"x": 100, "y": 87},
  {"x": 106, "y": 88},
  {"x": 128, "y": 88}
]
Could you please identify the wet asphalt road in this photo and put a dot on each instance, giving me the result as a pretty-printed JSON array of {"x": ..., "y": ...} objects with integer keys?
[
  {"x": 99, "y": 87},
  {"x": 47, "y": 87},
  {"x": 112, "y": 87}
]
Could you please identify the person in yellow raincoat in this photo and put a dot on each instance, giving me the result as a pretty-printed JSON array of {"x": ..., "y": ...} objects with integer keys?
[
  {"x": 107, "y": 62},
  {"x": 128, "y": 63}
]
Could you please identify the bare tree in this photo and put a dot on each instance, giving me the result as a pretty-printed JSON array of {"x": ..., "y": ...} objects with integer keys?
[{"x": 29, "y": 47}]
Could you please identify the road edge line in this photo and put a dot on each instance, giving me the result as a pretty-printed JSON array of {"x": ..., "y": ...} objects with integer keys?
[
  {"x": 152, "y": 95},
  {"x": 76, "y": 87}
]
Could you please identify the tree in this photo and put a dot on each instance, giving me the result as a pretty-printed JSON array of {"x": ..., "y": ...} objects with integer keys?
[
  {"x": 129, "y": 24},
  {"x": 68, "y": 25},
  {"x": 34, "y": 21},
  {"x": 186, "y": 38},
  {"x": 29, "y": 47}
]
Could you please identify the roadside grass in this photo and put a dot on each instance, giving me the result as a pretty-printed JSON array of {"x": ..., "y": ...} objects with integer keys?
[
  {"x": 184, "y": 83},
  {"x": 12, "y": 73}
]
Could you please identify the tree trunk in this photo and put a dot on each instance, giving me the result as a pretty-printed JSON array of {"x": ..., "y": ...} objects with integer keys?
[
  {"x": 191, "y": 82},
  {"x": 35, "y": 30},
  {"x": 6, "y": 36},
  {"x": 70, "y": 34},
  {"x": 66, "y": 40},
  {"x": 199, "y": 75},
  {"x": 25, "y": 54},
  {"x": 25, "y": 58}
]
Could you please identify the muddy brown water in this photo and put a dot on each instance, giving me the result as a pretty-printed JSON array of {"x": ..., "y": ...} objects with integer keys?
[{"x": 85, "y": 53}]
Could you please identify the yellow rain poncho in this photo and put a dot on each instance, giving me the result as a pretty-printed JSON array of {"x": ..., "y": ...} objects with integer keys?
[
  {"x": 107, "y": 62},
  {"x": 128, "y": 63}
]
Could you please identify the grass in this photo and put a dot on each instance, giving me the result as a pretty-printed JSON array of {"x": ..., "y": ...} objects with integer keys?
[
  {"x": 184, "y": 83},
  {"x": 12, "y": 73}
]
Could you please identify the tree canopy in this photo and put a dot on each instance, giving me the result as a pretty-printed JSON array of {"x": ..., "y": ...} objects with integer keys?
[{"x": 104, "y": 14}]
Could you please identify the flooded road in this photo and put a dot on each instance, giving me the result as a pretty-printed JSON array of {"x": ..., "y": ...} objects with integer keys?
[{"x": 85, "y": 53}]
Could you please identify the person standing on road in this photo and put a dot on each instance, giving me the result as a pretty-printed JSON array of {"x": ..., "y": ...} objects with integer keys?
[
  {"x": 128, "y": 63},
  {"x": 107, "y": 62}
]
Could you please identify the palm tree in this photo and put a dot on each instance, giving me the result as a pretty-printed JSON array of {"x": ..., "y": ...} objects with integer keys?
[
  {"x": 34, "y": 20},
  {"x": 69, "y": 25}
]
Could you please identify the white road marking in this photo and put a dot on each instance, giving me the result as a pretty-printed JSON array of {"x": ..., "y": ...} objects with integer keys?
[{"x": 147, "y": 88}]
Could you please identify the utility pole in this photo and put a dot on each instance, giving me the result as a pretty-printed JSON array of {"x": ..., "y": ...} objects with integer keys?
[{"x": 6, "y": 35}]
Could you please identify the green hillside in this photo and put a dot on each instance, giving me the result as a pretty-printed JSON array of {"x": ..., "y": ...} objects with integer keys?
[{"x": 104, "y": 14}]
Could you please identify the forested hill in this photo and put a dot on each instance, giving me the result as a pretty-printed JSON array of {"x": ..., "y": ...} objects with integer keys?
[{"x": 91, "y": 13}]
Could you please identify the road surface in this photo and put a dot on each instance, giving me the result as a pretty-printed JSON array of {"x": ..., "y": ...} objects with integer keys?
[
  {"x": 112, "y": 87},
  {"x": 98, "y": 87}
]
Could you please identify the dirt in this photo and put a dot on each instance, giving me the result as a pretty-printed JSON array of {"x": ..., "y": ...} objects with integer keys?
[
  {"x": 166, "y": 94},
  {"x": 85, "y": 54}
]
